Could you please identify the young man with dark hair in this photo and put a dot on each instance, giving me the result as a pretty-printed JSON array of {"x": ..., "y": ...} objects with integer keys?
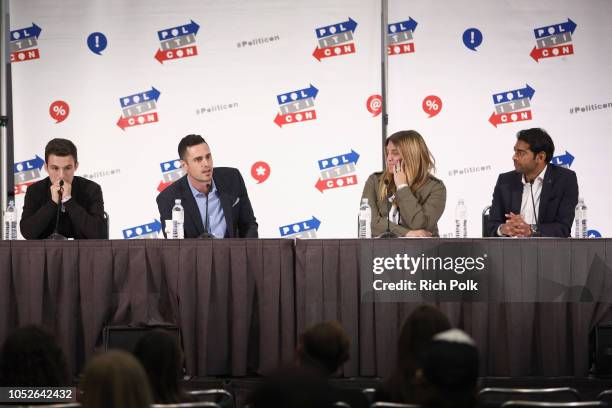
[
  {"x": 537, "y": 198},
  {"x": 222, "y": 196},
  {"x": 82, "y": 206}
]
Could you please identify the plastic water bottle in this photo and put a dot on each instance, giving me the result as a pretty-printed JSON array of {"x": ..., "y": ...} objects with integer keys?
[
  {"x": 580, "y": 220},
  {"x": 178, "y": 220},
  {"x": 460, "y": 220},
  {"x": 364, "y": 220},
  {"x": 10, "y": 221}
]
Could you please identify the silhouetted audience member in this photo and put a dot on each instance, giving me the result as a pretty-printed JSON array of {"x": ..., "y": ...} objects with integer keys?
[
  {"x": 403, "y": 385},
  {"x": 115, "y": 380},
  {"x": 450, "y": 371},
  {"x": 162, "y": 359},
  {"x": 31, "y": 357},
  {"x": 322, "y": 349}
]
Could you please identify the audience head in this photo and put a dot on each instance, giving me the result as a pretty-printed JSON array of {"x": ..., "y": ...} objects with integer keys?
[
  {"x": 416, "y": 334},
  {"x": 161, "y": 357},
  {"x": 450, "y": 371},
  {"x": 31, "y": 357},
  {"x": 323, "y": 347},
  {"x": 115, "y": 379}
]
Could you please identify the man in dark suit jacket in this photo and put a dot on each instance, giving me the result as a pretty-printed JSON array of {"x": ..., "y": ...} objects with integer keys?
[
  {"x": 82, "y": 212},
  {"x": 222, "y": 194},
  {"x": 537, "y": 198}
]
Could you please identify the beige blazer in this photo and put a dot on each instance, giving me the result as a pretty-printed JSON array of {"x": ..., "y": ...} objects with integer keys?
[{"x": 419, "y": 210}]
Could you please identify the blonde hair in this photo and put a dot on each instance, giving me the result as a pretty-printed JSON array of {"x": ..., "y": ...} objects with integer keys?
[
  {"x": 115, "y": 379},
  {"x": 417, "y": 162}
]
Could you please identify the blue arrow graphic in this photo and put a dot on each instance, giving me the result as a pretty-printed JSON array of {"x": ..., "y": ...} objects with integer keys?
[
  {"x": 310, "y": 92},
  {"x": 554, "y": 29},
  {"x": 347, "y": 158},
  {"x": 170, "y": 165},
  {"x": 35, "y": 163},
  {"x": 508, "y": 96},
  {"x": 408, "y": 25},
  {"x": 32, "y": 31},
  {"x": 563, "y": 160},
  {"x": 154, "y": 226},
  {"x": 350, "y": 25},
  {"x": 308, "y": 225},
  {"x": 168, "y": 33},
  {"x": 142, "y": 97}
]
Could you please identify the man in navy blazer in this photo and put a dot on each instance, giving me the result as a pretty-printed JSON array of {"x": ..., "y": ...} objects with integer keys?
[
  {"x": 221, "y": 195},
  {"x": 537, "y": 198}
]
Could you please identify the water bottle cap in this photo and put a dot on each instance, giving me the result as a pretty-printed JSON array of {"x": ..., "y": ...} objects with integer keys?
[
  {"x": 177, "y": 201},
  {"x": 364, "y": 201}
]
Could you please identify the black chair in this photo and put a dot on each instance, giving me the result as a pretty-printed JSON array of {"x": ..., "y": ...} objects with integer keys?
[
  {"x": 496, "y": 397},
  {"x": 201, "y": 404},
  {"x": 605, "y": 396},
  {"x": 218, "y": 396},
  {"x": 392, "y": 405},
  {"x": 106, "y": 226},
  {"x": 536, "y": 404},
  {"x": 485, "y": 220},
  {"x": 370, "y": 393}
]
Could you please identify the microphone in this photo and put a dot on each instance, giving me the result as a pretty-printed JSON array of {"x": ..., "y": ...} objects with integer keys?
[
  {"x": 535, "y": 233},
  {"x": 206, "y": 234},
  {"x": 387, "y": 233},
  {"x": 56, "y": 235}
]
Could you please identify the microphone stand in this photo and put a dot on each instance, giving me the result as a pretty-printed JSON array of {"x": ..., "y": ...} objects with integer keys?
[
  {"x": 206, "y": 234},
  {"x": 387, "y": 234},
  {"x": 56, "y": 235}
]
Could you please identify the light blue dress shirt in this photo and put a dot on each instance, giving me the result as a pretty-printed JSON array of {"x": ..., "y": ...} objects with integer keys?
[{"x": 216, "y": 219}]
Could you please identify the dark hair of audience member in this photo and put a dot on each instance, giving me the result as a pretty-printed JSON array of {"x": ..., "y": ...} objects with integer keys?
[
  {"x": 115, "y": 379},
  {"x": 323, "y": 347},
  {"x": 416, "y": 334},
  {"x": 30, "y": 357},
  {"x": 162, "y": 359}
]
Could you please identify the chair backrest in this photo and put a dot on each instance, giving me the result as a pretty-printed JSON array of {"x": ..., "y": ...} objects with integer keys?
[
  {"x": 605, "y": 396},
  {"x": 497, "y": 396},
  {"x": 219, "y": 396},
  {"x": 485, "y": 220},
  {"x": 538, "y": 404},
  {"x": 199, "y": 404},
  {"x": 106, "y": 225},
  {"x": 370, "y": 393},
  {"x": 66, "y": 405},
  {"x": 382, "y": 404}
]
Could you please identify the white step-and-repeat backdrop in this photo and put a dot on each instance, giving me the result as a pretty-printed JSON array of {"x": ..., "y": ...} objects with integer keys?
[{"x": 288, "y": 92}]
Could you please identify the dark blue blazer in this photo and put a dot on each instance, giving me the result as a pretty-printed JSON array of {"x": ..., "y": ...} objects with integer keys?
[
  {"x": 557, "y": 201},
  {"x": 234, "y": 199}
]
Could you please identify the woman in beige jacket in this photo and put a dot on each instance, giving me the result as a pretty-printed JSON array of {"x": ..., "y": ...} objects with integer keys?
[{"x": 406, "y": 191}]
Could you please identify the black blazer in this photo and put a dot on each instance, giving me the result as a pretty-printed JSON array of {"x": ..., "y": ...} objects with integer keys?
[
  {"x": 557, "y": 201},
  {"x": 234, "y": 199},
  {"x": 83, "y": 218}
]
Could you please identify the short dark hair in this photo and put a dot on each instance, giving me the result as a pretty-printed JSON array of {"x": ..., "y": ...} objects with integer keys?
[
  {"x": 538, "y": 141},
  {"x": 60, "y": 147},
  {"x": 188, "y": 141}
]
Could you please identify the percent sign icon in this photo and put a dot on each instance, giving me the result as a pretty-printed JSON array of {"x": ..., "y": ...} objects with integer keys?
[
  {"x": 432, "y": 105},
  {"x": 59, "y": 111}
]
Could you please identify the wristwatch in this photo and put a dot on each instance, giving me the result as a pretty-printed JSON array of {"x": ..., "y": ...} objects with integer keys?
[{"x": 534, "y": 230}]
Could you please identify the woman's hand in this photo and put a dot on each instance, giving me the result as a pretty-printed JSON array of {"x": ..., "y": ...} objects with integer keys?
[
  {"x": 399, "y": 176},
  {"x": 418, "y": 233}
]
